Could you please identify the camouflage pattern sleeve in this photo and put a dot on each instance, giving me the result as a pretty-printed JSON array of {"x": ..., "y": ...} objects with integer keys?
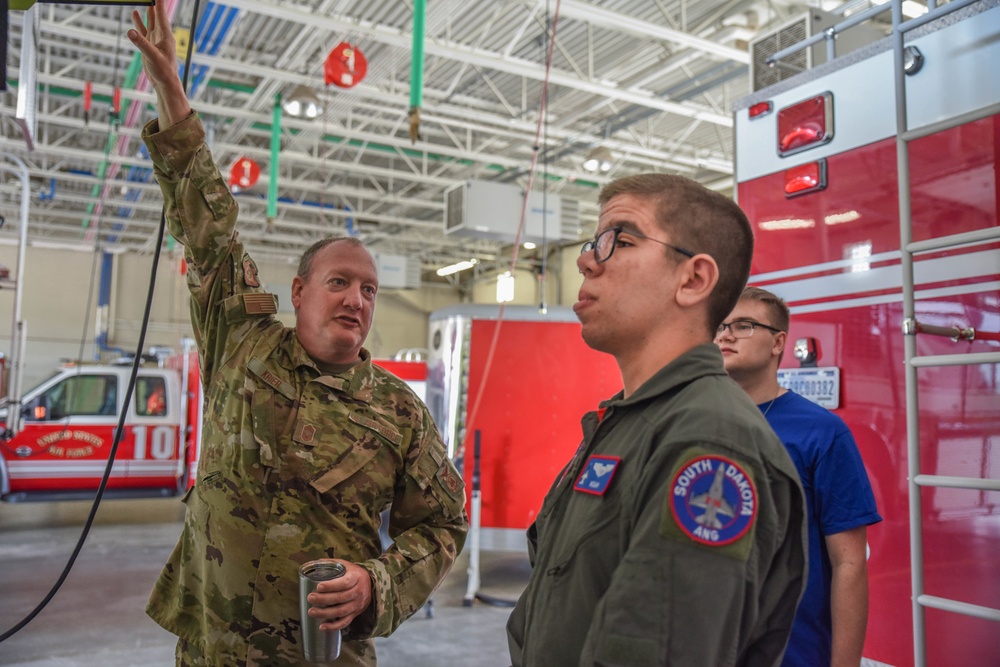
[
  {"x": 428, "y": 525},
  {"x": 201, "y": 214}
]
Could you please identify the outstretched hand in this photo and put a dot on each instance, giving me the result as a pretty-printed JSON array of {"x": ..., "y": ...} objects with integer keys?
[{"x": 155, "y": 40}]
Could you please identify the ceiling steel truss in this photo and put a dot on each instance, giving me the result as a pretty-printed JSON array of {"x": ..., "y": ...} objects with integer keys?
[{"x": 651, "y": 80}]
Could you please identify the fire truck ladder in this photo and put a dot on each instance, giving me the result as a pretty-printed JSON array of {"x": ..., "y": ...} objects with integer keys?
[{"x": 912, "y": 327}]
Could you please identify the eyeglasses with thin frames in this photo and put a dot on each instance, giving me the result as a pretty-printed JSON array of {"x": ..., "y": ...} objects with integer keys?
[
  {"x": 742, "y": 328},
  {"x": 604, "y": 244}
]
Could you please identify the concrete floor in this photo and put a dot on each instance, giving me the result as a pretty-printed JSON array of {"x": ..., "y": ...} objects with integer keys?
[{"x": 97, "y": 619}]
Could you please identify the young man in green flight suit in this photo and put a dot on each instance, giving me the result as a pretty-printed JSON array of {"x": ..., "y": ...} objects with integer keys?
[
  {"x": 676, "y": 534},
  {"x": 305, "y": 442}
]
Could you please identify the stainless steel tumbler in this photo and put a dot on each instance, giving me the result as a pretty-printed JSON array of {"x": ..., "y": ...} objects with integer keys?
[{"x": 317, "y": 645}]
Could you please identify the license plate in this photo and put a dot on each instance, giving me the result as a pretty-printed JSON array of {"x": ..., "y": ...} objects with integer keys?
[{"x": 819, "y": 385}]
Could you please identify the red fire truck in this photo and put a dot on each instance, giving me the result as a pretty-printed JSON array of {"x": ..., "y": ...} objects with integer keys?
[
  {"x": 873, "y": 186},
  {"x": 67, "y": 426}
]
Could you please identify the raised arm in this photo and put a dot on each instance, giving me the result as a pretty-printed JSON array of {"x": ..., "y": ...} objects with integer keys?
[
  {"x": 155, "y": 40},
  {"x": 200, "y": 210}
]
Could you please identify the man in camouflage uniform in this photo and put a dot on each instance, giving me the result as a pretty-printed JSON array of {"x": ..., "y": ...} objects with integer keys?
[{"x": 305, "y": 442}]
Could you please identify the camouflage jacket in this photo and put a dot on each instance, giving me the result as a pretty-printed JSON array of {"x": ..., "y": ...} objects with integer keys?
[{"x": 295, "y": 464}]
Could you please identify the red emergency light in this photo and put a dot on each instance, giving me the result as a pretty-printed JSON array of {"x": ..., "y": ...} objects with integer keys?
[
  {"x": 805, "y": 178},
  {"x": 805, "y": 124},
  {"x": 760, "y": 109}
]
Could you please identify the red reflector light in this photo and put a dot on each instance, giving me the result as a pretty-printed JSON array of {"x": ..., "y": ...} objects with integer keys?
[
  {"x": 805, "y": 124},
  {"x": 760, "y": 109},
  {"x": 805, "y": 178}
]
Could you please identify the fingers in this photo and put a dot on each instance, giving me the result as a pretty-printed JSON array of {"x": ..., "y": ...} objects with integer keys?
[
  {"x": 158, "y": 12},
  {"x": 335, "y": 615},
  {"x": 139, "y": 32},
  {"x": 156, "y": 46},
  {"x": 140, "y": 27},
  {"x": 338, "y": 601}
]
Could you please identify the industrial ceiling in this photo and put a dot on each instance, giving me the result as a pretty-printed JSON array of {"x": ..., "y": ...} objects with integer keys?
[{"x": 653, "y": 81}]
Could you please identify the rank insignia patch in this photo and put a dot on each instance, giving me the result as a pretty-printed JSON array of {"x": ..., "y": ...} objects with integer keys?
[
  {"x": 597, "y": 474},
  {"x": 713, "y": 500}
]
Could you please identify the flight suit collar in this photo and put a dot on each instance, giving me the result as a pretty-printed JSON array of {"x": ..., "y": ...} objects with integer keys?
[{"x": 700, "y": 361}]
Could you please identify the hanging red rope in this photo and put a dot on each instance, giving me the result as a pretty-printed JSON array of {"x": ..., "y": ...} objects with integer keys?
[
  {"x": 87, "y": 97},
  {"x": 116, "y": 104}
]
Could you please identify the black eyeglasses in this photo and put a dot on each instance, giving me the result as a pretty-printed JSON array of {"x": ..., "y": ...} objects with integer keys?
[
  {"x": 742, "y": 328},
  {"x": 604, "y": 244}
]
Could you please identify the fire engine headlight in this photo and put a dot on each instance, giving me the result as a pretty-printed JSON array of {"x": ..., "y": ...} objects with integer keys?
[{"x": 23, "y": 451}]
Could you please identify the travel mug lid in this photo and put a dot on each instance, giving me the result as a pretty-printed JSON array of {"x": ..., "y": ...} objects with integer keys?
[{"x": 321, "y": 570}]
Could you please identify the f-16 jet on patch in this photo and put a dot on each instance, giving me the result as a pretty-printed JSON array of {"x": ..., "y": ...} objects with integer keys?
[
  {"x": 597, "y": 474},
  {"x": 713, "y": 500}
]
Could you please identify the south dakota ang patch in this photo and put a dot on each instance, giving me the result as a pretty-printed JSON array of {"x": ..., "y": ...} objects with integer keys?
[{"x": 712, "y": 501}]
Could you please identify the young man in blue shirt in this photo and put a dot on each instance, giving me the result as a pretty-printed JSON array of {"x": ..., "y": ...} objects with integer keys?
[{"x": 831, "y": 620}]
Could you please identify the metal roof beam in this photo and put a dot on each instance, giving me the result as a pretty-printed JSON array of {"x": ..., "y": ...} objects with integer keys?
[
  {"x": 605, "y": 18},
  {"x": 487, "y": 59}
]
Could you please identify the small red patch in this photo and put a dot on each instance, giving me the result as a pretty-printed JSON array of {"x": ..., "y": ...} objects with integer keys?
[{"x": 250, "y": 273}]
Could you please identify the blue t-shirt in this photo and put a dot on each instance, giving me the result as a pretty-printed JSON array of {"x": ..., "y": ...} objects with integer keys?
[{"x": 838, "y": 498}]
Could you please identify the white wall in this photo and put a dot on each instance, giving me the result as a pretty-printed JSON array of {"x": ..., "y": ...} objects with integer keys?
[{"x": 54, "y": 305}]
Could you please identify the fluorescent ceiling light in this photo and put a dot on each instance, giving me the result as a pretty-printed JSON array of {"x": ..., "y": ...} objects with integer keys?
[
  {"x": 458, "y": 266},
  {"x": 505, "y": 287}
]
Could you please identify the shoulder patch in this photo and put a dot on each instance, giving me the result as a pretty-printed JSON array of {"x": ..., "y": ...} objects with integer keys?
[
  {"x": 250, "y": 272},
  {"x": 597, "y": 474},
  {"x": 712, "y": 500},
  {"x": 260, "y": 303},
  {"x": 450, "y": 480}
]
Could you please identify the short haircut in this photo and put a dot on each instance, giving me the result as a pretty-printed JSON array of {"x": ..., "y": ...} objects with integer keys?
[
  {"x": 776, "y": 306},
  {"x": 305, "y": 262},
  {"x": 701, "y": 221}
]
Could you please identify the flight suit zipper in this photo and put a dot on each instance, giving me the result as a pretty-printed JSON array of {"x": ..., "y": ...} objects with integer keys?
[{"x": 557, "y": 506}]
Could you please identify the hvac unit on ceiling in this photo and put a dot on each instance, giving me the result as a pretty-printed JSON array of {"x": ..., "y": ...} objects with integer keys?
[
  {"x": 797, "y": 30},
  {"x": 397, "y": 271},
  {"x": 490, "y": 210}
]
